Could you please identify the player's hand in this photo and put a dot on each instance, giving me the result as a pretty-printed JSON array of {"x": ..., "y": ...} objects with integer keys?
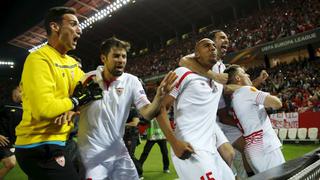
[
  {"x": 4, "y": 141},
  {"x": 167, "y": 84},
  {"x": 263, "y": 75},
  {"x": 183, "y": 150},
  {"x": 85, "y": 93},
  {"x": 66, "y": 117},
  {"x": 221, "y": 78}
]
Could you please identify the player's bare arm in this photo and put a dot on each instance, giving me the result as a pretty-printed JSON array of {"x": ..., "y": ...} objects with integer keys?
[
  {"x": 190, "y": 63},
  {"x": 167, "y": 84},
  {"x": 66, "y": 117},
  {"x": 4, "y": 141},
  {"x": 182, "y": 149},
  {"x": 272, "y": 101},
  {"x": 230, "y": 88}
]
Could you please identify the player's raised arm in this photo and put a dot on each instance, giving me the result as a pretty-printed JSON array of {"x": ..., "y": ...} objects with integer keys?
[
  {"x": 272, "y": 101},
  {"x": 190, "y": 62}
]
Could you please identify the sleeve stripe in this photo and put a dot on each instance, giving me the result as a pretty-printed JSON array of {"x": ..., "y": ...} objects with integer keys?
[
  {"x": 182, "y": 78},
  {"x": 261, "y": 97}
]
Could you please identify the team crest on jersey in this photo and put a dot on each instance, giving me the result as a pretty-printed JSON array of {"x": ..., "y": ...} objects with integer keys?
[
  {"x": 253, "y": 89},
  {"x": 60, "y": 160},
  {"x": 119, "y": 91}
]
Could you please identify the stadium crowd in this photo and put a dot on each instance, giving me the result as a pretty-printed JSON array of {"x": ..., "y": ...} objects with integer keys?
[
  {"x": 280, "y": 19},
  {"x": 297, "y": 83}
]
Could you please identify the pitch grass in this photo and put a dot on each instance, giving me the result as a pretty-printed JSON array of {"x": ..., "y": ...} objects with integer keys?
[{"x": 153, "y": 165}]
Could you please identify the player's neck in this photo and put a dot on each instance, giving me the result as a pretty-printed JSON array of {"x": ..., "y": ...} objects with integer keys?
[
  {"x": 57, "y": 46},
  {"x": 107, "y": 76}
]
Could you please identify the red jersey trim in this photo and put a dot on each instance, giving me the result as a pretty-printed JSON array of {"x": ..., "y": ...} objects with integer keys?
[{"x": 182, "y": 78}]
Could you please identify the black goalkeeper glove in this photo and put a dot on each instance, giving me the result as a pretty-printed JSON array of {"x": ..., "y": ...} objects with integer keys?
[{"x": 85, "y": 93}]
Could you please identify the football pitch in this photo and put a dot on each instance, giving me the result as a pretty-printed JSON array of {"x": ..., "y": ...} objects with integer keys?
[{"x": 153, "y": 165}]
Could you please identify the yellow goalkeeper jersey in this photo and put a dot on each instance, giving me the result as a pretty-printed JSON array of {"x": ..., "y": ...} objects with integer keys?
[{"x": 48, "y": 80}]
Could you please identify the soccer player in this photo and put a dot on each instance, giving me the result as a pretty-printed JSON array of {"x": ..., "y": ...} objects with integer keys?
[
  {"x": 224, "y": 120},
  {"x": 51, "y": 95},
  {"x": 262, "y": 146},
  {"x": 195, "y": 99},
  {"x": 102, "y": 123}
]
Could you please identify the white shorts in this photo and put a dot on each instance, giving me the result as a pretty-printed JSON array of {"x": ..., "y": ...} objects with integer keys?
[
  {"x": 202, "y": 165},
  {"x": 263, "y": 162},
  {"x": 231, "y": 132},
  {"x": 120, "y": 169},
  {"x": 106, "y": 163}
]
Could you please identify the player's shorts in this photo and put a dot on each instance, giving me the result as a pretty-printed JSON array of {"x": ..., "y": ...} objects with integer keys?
[
  {"x": 100, "y": 164},
  {"x": 231, "y": 132},
  {"x": 263, "y": 162},
  {"x": 6, "y": 152},
  {"x": 202, "y": 165},
  {"x": 120, "y": 169}
]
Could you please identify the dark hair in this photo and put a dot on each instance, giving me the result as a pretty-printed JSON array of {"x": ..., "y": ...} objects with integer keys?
[
  {"x": 231, "y": 71},
  {"x": 113, "y": 42},
  {"x": 55, "y": 15},
  {"x": 214, "y": 32}
]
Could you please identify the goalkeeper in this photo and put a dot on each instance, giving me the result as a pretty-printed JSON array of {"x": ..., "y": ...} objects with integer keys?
[{"x": 51, "y": 97}]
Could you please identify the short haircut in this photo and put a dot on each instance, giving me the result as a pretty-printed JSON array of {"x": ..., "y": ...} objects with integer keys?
[
  {"x": 198, "y": 43},
  {"x": 232, "y": 72},
  {"x": 113, "y": 42},
  {"x": 214, "y": 32},
  {"x": 55, "y": 15}
]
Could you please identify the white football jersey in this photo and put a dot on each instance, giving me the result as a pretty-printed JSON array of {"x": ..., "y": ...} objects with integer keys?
[
  {"x": 219, "y": 67},
  {"x": 102, "y": 122},
  {"x": 195, "y": 109},
  {"x": 253, "y": 119}
]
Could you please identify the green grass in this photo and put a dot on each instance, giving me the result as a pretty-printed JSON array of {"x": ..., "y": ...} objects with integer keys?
[{"x": 153, "y": 165}]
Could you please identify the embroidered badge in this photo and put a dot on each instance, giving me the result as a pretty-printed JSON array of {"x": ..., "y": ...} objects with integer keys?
[
  {"x": 60, "y": 160},
  {"x": 119, "y": 91}
]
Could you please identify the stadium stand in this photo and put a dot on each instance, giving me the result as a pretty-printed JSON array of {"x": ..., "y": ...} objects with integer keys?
[
  {"x": 313, "y": 134},
  {"x": 302, "y": 134},
  {"x": 292, "y": 133}
]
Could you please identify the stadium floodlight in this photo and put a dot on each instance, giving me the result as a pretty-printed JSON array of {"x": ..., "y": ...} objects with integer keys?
[
  {"x": 6, "y": 63},
  {"x": 103, "y": 13}
]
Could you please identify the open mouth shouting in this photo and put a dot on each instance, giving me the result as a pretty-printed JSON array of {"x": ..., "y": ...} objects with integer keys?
[
  {"x": 224, "y": 48},
  {"x": 75, "y": 40}
]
